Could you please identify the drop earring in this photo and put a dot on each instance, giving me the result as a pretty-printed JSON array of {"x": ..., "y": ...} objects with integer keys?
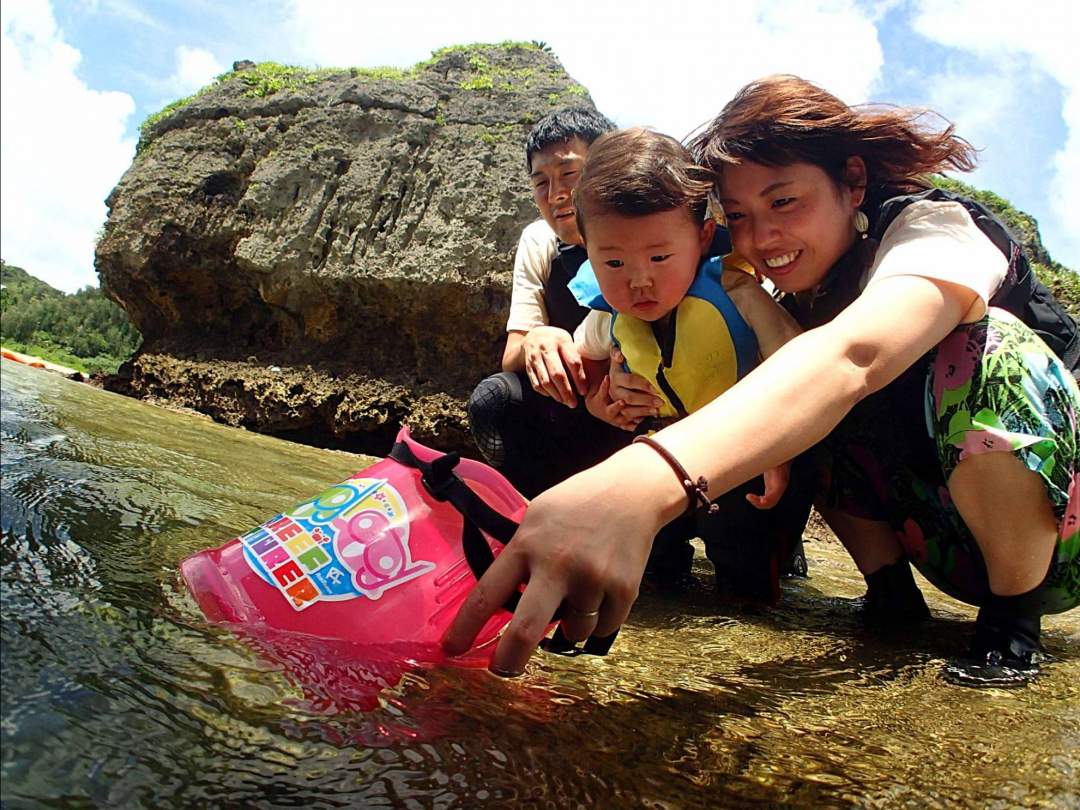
[{"x": 862, "y": 224}]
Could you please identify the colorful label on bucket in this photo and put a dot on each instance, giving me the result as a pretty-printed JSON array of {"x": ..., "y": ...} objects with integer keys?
[{"x": 351, "y": 540}]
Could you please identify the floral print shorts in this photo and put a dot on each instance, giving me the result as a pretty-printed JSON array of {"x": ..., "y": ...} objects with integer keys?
[{"x": 989, "y": 386}]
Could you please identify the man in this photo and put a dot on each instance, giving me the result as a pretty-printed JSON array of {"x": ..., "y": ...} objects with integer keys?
[{"x": 530, "y": 421}]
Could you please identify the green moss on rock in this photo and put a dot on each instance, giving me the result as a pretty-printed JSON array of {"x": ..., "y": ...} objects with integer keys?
[
  {"x": 1063, "y": 283},
  {"x": 267, "y": 78}
]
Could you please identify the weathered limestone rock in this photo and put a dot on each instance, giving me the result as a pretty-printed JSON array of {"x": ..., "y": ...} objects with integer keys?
[
  {"x": 349, "y": 222},
  {"x": 348, "y": 411}
]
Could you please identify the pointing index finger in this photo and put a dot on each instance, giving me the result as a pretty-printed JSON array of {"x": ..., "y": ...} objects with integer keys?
[{"x": 487, "y": 596}]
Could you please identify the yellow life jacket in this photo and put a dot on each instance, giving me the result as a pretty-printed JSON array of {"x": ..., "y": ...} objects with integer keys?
[{"x": 702, "y": 349}]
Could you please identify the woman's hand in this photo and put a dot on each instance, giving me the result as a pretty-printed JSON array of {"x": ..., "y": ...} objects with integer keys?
[
  {"x": 553, "y": 364},
  {"x": 583, "y": 546},
  {"x": 634, "y": 391}
]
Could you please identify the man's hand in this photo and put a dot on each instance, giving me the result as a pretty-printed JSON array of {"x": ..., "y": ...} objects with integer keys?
[
  {"x": 637, "y": 395},
  {"x": 553, "y": 364}
]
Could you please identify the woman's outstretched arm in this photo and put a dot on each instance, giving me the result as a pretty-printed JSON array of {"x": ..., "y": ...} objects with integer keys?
[{"x": 584, "y": 543}]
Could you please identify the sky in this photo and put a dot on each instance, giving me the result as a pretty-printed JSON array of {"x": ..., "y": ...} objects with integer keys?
[{"x": 78, "y": 77}]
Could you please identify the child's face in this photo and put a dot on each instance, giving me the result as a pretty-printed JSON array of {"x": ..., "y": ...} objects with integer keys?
[{"x": 645, "y": 264}]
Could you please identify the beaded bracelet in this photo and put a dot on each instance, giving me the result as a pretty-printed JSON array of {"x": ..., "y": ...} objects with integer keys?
[{"x": 696, "y": 491}]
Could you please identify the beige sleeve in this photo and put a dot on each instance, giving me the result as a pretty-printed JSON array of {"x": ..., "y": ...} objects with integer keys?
[
  {"x": 940, "y": 240},
  {"x": 532, "y": 265},
  {"x": 593, "y": 335}
]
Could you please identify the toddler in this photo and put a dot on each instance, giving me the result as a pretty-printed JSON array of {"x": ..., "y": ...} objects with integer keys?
[{"x": 689, "y": 322}]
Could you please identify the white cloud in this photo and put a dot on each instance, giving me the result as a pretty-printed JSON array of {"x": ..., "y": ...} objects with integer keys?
[
  {"x": 123, "y": 9},
  {"x": 62, "y": 148},
  {"x": 963, "y": 98},
  {"x": 344, "y": 33},
  {"x": 1065, "y": 187},
  {"x": 131, "y": 12},
  {"x": 670, "y": 65},
  {"x": 195, "y": 68},
  {"x": 1016, "y": 46},
  {"x": 677, "y": 75}
]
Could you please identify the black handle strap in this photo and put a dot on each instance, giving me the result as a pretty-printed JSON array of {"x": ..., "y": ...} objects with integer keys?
[{"x": 445, "y": 485}]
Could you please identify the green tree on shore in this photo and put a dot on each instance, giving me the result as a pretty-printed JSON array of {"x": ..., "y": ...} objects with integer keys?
[{"x": 84, "y": 330}]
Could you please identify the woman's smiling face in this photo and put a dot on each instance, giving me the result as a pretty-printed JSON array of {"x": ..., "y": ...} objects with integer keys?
[{"x": 792, "y": 222}]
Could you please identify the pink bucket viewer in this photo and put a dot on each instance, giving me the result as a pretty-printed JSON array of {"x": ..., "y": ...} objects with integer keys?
[{"x": 382, "y": 561}]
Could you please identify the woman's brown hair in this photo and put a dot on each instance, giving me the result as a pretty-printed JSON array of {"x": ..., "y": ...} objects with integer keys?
[
  {"x": 780, "y": 120},
  {"x": 634, "y": 172}
]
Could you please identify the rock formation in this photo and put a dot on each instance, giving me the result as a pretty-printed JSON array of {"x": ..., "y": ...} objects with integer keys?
[{"x": 352, "y": 229}]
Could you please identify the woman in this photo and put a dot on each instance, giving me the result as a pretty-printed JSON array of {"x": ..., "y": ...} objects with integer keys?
[{"x": 950, "y": 429}]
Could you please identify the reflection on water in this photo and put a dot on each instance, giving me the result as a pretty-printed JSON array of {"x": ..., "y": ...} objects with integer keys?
[{"x": 115, "y": 693}]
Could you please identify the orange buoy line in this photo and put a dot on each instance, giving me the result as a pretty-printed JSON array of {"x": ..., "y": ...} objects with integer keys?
[{"x": 35, "y": 362}]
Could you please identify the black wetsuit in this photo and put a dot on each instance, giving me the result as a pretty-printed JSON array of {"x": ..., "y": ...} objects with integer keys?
[{"x": 546, "y": 442}]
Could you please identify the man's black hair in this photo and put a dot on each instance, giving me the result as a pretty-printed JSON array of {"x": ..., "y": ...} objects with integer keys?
[{"x": 562, "y": 125}]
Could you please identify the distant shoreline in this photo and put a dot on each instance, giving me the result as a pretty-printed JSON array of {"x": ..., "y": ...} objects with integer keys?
[{"x": 37, "y": 362}]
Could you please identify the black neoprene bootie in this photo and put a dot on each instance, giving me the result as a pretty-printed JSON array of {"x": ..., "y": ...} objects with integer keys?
[
  {"x": 487, "y": 410},
  {"x": 1005, "y": 650},
  {"x": 893, "y": 600},
  {"x": 559, "y": 644},
  {"x": 794, "y": 565}
]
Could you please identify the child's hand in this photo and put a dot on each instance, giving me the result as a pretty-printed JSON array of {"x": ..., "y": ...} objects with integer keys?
[
  {"x": 776, "y": 482},
  {"x": 600, "y": 405},
  {"x": 640, "y": 401}
]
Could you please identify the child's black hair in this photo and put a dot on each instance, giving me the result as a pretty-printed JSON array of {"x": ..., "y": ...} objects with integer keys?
[{"x": 634, "y": 172}]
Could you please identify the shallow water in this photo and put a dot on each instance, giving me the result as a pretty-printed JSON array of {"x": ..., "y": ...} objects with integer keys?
[{"x": 117, "y": 694}]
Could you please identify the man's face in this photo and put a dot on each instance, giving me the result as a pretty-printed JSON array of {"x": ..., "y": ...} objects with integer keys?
[{"x": 554, "y": 174}]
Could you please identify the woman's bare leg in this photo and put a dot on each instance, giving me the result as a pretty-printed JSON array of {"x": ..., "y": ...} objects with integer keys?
[
  {"x": 872, "y": 544},
  {"x": 1006, "y": 508}
]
